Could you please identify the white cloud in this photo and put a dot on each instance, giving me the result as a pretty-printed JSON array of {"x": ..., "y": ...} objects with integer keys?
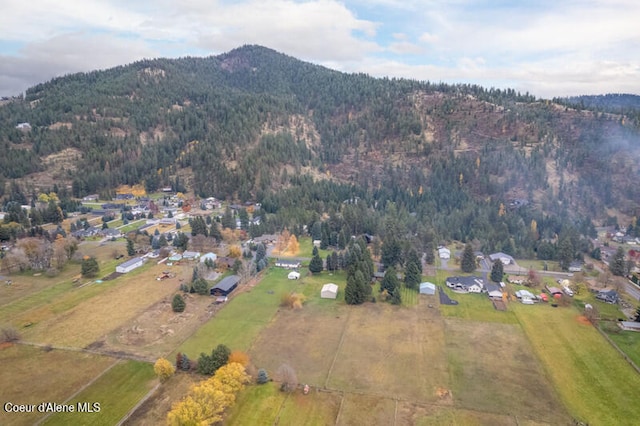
[{"x": 582, "y": 45}]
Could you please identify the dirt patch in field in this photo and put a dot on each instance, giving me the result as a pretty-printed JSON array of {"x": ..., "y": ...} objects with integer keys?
[
  {"x": 499, "y": 305},
  {"x": 583, "y": 320},
  {"x": 5, "y": 345}
]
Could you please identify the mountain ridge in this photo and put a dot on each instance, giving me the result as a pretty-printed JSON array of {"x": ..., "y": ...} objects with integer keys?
[{"x": 252, "y": 121}]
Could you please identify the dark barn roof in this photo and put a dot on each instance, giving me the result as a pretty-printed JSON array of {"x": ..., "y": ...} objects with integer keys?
[{"x": 226, "y": 285}]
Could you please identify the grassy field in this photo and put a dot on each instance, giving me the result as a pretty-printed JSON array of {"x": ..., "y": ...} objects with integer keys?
[
  {"x": 117, "y": 391},
  {"x": 306, "y": 249},
  {"x": 31, "y": 375},
  {"x": 266, "y": 405},
  {"x": 62, "y": 321},
  {"x": 594, "y": 382},
  {"x": 26, "y": 284},
  {"x": 240, "y": 321},
  {"x": 497, "y": 360},
  {"x": 476, "y": 307}
]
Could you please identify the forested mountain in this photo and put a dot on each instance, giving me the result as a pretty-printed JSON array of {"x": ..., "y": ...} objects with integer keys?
[
  {"x": 618, "y": 103},
  {"x": 456, "y": 161}
]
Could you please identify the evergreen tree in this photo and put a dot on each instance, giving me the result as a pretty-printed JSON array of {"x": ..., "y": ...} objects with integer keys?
[
  {"x": 565, "y": 253},
  {"x": 497, "y": 271},
  {"x": 329, "y": 263},
  {"x": 178, "y": 304},
  {"x": 391, "y": 252},
  {"x": 200, "y": 286},
  {"x": 353, "y": 293},
  {"x": 130, "y": 249},
  {"x": 390, "y": 281},
  {"x": 90, "y": 267},
  {"x": 413, "y": 270},
  {"x": 617, "y": 265},
  {"x": 395, "y": 296},
  {"x": 263, "y": 377},
  {"x": 315, "y": 265},
  {"x": 468, "y": 263}
]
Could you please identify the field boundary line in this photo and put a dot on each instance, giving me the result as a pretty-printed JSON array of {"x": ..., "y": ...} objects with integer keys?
[
  {"x": 277, "y": 420},
  {"x": 617, "y": 348},
  {"x": 76, "y": 393},
  {"x": 395, "y": 414},
  {"x": 335, "y": 357},
  {"x": 340, "y": 408},
  {"x": 138, "y": 405},
  {"x": 118, "y": 356}
]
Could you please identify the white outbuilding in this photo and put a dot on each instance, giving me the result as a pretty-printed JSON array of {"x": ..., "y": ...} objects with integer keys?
[
  {"x": 130, "y": 265},
  {"x": 329, "y": 291},
  {"x": 211, "y": 256},
  {"x": 294, "y": 275},
  {"x": 427, "y": 288}
]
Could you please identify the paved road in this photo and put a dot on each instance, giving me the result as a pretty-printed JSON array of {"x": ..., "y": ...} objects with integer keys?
[{"x": 632, "y": 290}]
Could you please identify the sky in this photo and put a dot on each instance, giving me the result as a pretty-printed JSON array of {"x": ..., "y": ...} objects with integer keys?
[{"x": 546, "y": 48}]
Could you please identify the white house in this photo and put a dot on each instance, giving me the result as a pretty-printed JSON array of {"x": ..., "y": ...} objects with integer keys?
[
  {"x": 212, "y": 256},
  {"x": 466, "y": 284},
  {"x": 444, "y": 253},
  {"x": 130, "y": 265},
  {"x": 329, "y": 291},
  {"x": 288, "y": 264},
  {"x": 503, "y": 257},
  {"x": 294, "y": 275},
  {"x": 191, "y": 254}
]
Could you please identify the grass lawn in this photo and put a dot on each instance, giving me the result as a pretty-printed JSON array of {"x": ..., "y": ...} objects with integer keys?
[
  {"x": 306, "y": 249},
  {"x": 132, "y": 226},
  {"x": 32, "y": 375},
  {"x": 366, "y": 410},
  {"x": 593, "y": 380},
  {"x": 118, "y": 391},
  {"x": 257, "y": 405},
  {"x": 476, "y": 307},
  {"x": 241, "y": 320},
  {"x": 627, "y": 341}
]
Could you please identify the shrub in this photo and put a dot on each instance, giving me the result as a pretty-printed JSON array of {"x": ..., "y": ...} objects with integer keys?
[
  {"x": 9, "y": 334},
  {"x": 239, "y": 357},
  {"x": 178, "y": 304},
  {"x": 263, "y": 377},
  {"x": 292, "y": 300}
]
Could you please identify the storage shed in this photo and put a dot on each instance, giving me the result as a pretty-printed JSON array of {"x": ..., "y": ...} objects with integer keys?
[
  {"x": 225, "y": 286},
  {"x": 130, "y": 265},
  {"x": 294, "y": 275},
  {"x": 427, "y": 288},
  {"x": 329, "y": 291}
]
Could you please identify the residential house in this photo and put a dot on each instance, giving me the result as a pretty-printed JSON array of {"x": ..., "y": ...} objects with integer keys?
[
  {"x": 493, "y": 291},
  {"x": 444, "y": 253},
  {"x": 466, "y": 284},
  {"x": 92, "y": 197},
  {"x": 503, "y": 257},
  {"x": 575, "y": 266},
  {"x": 288, "y": 264},
  {"x": 629, "y": 325},
  {"x": 190, "y": 255},
  {"x": 208, "y": 256},
  {"x": 608, "y": 296}
]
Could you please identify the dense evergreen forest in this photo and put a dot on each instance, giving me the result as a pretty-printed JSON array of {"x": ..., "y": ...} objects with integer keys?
[{"x": 462, "y": 162}]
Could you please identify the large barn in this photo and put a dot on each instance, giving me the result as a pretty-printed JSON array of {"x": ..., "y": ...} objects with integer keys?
[{"x": 225, "y": 286}]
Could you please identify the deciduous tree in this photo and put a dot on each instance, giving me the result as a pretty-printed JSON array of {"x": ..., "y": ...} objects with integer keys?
[{"x": 163, "y": 369}]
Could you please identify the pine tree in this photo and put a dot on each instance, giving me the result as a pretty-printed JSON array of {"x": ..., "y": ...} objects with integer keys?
[
  {"x": 412, "y": 276},
  {"x": 468, "y": 263},
  {"x": 315, "y": 265},
  {"x": 497, "y": 271},
  {"x": 353, "y": 293},
  {"x": 130, "y": 249},
  {"x": 390, "y": 281},
  {"x": 178, "y": 304},
  {"x": 395, "y": 296},
  {"x": 263, "y": 377},
  {"x": 617, "y": 265}
]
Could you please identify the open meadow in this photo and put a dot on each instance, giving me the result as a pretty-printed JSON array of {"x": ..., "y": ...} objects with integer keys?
[{"x": 37, "y": 375}]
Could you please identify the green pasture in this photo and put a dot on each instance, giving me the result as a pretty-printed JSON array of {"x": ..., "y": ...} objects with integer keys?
[
  {"x": 593, "y": 380},
  {"x": 476, "y": 307},
  {"x": 117, "y": 391},
  {"x": 241, "y": 320}
]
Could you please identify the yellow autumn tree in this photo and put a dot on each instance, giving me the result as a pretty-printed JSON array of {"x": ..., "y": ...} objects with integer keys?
[
  {"x": 235, "y": 251},
  {"x": 501, "y": 211},
  {"x": 239, "y": 357},
  {"x": 207, "y": 400},
  {"x": 293, "y": 247},
  {"x": 283, "y": 242},
  {"x": 163, "y": 369}
]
